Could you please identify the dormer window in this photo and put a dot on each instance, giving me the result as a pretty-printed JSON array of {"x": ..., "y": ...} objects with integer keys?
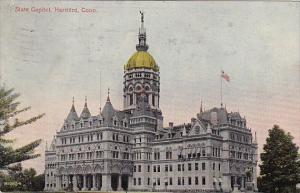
[
  {"x": 100, "y": 122},
  {"x": 115, "y": 122},
  {"x": 81, "y": 125},
  {"x": 90, "y": 123}
]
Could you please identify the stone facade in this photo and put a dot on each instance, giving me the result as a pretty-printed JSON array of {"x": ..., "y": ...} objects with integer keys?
[{"x": 130, "y": 149}]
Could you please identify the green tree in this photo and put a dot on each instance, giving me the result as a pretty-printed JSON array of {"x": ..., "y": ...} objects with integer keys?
[
  {"x": 38, "y": 182},
  {"x": 27, "y": 178},
  {"x": 279, "y": 169},
  {"x": 9, "y": 121}
]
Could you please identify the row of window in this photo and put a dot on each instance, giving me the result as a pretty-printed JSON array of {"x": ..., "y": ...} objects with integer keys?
[
  {"x": 139, "y": 75},
  {"x": 180, "y": 167},
  {"x": 93, "y": 123},
  {"x": 239, "y": 123},
  {"x": 116, "y": 137},
  {"x": 240, "y": 155},
  {"x": 180, "y": 181},
  {"x": 81, "y": 156},
  {"x": 239, "y": 137},
  {"x": 81, "y": 138}
]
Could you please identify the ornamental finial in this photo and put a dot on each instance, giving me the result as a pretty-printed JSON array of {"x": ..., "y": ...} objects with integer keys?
[
  {"x": 142, "y": 16},
  {"x": 108, "y": 92}
]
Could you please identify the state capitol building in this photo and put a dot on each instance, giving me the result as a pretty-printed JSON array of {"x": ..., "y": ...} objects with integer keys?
[{"x": 130, "y": 149}]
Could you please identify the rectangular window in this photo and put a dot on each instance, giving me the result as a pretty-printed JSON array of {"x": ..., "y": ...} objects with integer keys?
[
  {"x": 182, "y": 180},
  {"x": 140, "y": 181},
  {"x": 134, "y": 181},
  {"x": 148, "y": 168},
  {"x": 148, "y": 182},
  {"x": 179, "y": 167},
  {"x": 219, "y": 167},
  {"x": 166, "y": 168},
  {"x": 203, "y": 166},
  {"x": 182, "y": 167},
  {"x": 203, "y": 180},
  {"x": 189, "y": 166},
  {"x": 214, "y": 165},
  {"x": 190, "y": 181},
  {"x": 158, "y": 181},
  {"x": 179, "y": 181},
  {"x": 134, "y": 168},
  {"x": 196, "y": 166},
  {"x": 158, "y": 168},
  {"x": 154, "y": 168},
  {"x": 196, "y": 180},
  {"x": 170, "y": 168},
  {"x": 140, "y": 168},
  {"x": 170, "y": 181}
]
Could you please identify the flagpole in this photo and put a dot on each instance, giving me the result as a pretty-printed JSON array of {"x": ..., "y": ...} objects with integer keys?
[
  {"x": 221, "y": 91},
  {"x": 100, "y": 89}
]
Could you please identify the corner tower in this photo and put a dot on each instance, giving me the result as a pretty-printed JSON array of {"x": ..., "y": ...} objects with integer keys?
[{"x": 141, "y": 73}]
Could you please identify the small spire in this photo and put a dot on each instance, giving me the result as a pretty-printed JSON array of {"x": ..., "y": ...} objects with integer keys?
[
  {"x": 46, "y": 146},
  {"x": 201, "y": 109},
  {"x": 108, "y": 92},
  {"x": 85, "y": 112},
  {"x": 85, "y": 101},
  {"x": 73, "y": 107},
  {"x": 255, "y": 139},
  {"x": 142, "y": 18}
]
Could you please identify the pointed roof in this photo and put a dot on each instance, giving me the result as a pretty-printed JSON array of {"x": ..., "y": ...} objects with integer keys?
[
  {"x": 108, "y": 111},
  {"x": 85, "y": 111},
  {"x": 72, "y": 114}
]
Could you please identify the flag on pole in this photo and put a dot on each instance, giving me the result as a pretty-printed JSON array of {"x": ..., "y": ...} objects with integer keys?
[{"x": 225, "y": 76}]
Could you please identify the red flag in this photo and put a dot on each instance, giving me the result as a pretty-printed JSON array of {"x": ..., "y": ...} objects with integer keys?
[{"x": 225, "y": 76}]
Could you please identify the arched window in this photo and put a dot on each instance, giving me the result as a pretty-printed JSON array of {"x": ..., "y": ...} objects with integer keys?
[{"x": 138, "y": 88}]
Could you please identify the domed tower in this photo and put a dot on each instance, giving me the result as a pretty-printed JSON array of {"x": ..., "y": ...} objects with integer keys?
[{"x": 141, "y": 73}]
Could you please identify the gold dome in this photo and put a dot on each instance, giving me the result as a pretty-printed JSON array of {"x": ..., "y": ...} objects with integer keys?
[{"x": 141, "y": 59}]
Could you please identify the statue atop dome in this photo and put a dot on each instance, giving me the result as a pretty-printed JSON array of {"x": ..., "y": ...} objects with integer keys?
[{"x": 142, "y": 46}]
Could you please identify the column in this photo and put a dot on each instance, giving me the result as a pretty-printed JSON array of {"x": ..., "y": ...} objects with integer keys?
[
  {"x": 235, "y": 185},
  {"x": 58, "y": 182},
  {"x": 134, "y": 99},
  {"x": 106, "y": 182},
  {"x": 94, "y": 186},
  {"x": 129, "y": 183},
  {"x": 84, "y": 182},
  {"x": 242, "y": 184},
  {"x": 120, "y": 183},
  {"x": 68, "y": 181},
  {"x": 75, "y": 186}
]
